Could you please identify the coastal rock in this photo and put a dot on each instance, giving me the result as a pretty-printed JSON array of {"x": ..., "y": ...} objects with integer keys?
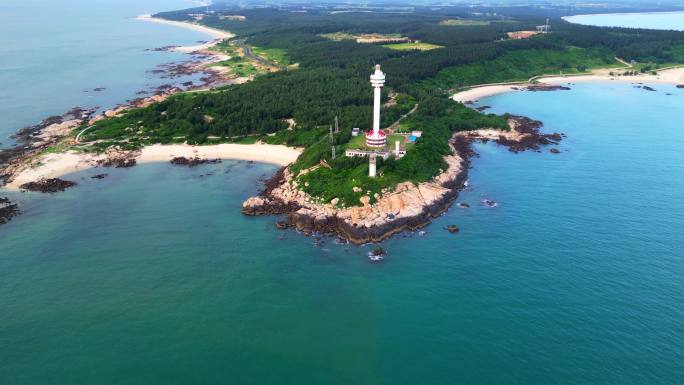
[
  {"x": 193, "y": 162},
  {"x": 8, "y": 210},
  {"x": 647, "y": 88},
  {"x": 554, "y": 151},
  {"x": 282, "y": 225},
  {"x": 52, "y": 185},
  {"x": 265, "y": 206},
  {"x": 117, "y": 158},
  {"x": 545, "y": 87},
  {"x": 453, "y": 229},
  {"x": 680, "y": 85},
  {"x": 377, "y": 254}
]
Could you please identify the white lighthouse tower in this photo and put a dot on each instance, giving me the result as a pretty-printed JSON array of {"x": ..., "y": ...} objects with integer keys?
[{"x": 376, "y": 137}]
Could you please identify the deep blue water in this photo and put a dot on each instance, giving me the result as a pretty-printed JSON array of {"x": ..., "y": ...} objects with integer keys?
[
  {"x": 51, "y": 52},
  {"x": 656, "y": 20},
  {"x": 153, "y": 276}
]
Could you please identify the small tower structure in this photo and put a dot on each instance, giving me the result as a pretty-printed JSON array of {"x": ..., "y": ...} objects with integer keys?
[
  {"x": 544, "y": 28},
  {"x": 376, "y": 137},
  {"x": 372, "y": 165}
]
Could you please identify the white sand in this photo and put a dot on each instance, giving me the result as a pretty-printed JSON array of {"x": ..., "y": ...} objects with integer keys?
[
  {"x": 60, "y": 164},
  {"x": 217, "y": 34},
  {"x": 670, "y": 76},
  {"x": 477, "y": 93}
]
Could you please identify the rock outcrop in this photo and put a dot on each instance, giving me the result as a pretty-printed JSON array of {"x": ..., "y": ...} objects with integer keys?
[
  {"x": 8, "y": 210},
  {"x": 192, "y": 161},
  {"x": 545, "y": 87},
  {"x": 407, "y": 207},
  {"x": 52, "y": 185}
]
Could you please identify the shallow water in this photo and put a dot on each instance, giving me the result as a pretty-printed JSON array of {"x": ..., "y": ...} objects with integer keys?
[
  {"x": 153, "y": 276},
  {"x": 656, "y": 20},
  {"x": 52, "y": 52}
]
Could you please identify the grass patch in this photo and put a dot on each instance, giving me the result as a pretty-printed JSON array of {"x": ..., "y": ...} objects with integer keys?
[
  {"x": 464, "y": 22},
  {"x": 416, "y": 45},
  {"x": 239, "y": 66},
  {"x": 340, "y": 36},
  {"x": 276, "y": 55}
]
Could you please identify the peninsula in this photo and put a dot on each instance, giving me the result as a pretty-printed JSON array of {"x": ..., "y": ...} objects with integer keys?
[{"x": 363, "y": 164}]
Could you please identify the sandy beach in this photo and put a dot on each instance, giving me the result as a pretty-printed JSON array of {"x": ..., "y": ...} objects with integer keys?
[
  {"x": 217, "y": 34},
  {"x": 668, "y": 76},
  {"x": 59, "y": 164}
]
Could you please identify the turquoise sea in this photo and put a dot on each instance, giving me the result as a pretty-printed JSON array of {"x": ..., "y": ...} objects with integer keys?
[
  {"x": 152, "y": 275},
  {"x": 52, "y": 52},
  {"x": 655, "y": 20}
]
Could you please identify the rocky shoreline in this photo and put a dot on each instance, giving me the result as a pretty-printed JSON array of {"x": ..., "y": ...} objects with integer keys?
[
  {"x": 407, "y": 207},
  {"x": 51, "y": 131}
]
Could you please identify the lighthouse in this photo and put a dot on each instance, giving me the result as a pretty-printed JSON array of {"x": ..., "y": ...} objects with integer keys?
[{"x": 376, "y": 137}]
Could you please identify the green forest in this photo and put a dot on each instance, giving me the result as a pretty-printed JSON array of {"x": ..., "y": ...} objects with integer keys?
[{"x": 331, "y": 80}]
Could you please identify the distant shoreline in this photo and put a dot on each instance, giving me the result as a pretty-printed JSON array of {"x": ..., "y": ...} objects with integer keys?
[
  {"x": 570, "y": 17},
  {"x": 670, "y": 76},
  {"x": 217, "y": 34},
  {"x": 622, "y": 13}
]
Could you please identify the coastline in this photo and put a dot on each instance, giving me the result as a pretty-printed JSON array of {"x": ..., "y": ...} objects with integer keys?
[
  {"x": 216, "y": 34},
  {"x": 407, "y": 206},
  {"x": 620, "y": 14},
  {"x": 55, "y": 165},
  {"x": 668, "y": 76},
  {"x": 33, "y": 140}
]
